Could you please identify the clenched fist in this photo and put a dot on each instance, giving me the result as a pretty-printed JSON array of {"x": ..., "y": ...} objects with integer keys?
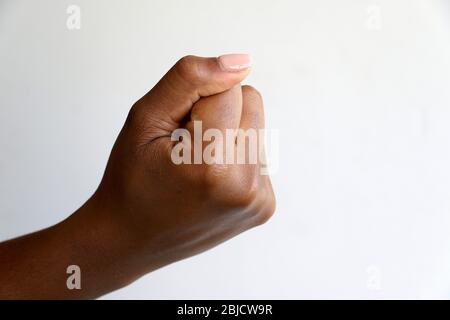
[{"x": 150, "y": 210}]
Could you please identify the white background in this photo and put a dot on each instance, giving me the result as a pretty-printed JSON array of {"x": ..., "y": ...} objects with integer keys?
[{"x": 360, "y": 92}]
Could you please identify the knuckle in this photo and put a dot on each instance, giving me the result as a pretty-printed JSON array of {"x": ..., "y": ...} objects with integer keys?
[
  {"x": 248, "y": 196},
  {"x": 234, "y": 192},
  {"x": 187, "y": 69},
  {"x": 267, "y": 211},
  {"x": 214, "y": 178},
  {"x": 251, "y": 93},
  {"x": 133, "y": 115},
  {"x": 237, "y": 192}
]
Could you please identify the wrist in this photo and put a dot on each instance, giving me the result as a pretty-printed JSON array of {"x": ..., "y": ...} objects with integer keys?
[{"x": 100, "y": 246}]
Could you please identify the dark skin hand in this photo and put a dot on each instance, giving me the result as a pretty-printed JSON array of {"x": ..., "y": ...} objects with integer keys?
[{"x": 147, "y": 211}]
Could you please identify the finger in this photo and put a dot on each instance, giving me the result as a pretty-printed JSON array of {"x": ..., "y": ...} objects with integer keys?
[
  {"x": 216, "y": 118},
  {"x": 250, "y": 147},
  {"x": 252, "y": 109},
  {"x": 251, "y": 126},
  {"x": 221, "y": 111},
  {"x": 192, "y": 78}
]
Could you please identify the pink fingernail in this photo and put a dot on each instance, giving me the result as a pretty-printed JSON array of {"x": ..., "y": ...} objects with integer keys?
[{"x": 235, "y": 62}]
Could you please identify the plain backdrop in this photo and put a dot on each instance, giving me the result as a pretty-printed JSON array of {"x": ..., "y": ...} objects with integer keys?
[{"x": 358, "y": 89}]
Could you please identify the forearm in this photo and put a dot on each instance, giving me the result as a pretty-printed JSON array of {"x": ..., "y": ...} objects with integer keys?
[{"x": 35, "y": 266}]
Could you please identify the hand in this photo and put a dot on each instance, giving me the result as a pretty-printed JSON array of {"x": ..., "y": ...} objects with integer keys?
[
  {"x": 170, "y": 211},
  {"x": 148, "y": 211}
]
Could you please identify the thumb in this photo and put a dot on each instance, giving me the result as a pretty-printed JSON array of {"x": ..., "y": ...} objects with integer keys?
[{"x": 190, "y": 79}]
